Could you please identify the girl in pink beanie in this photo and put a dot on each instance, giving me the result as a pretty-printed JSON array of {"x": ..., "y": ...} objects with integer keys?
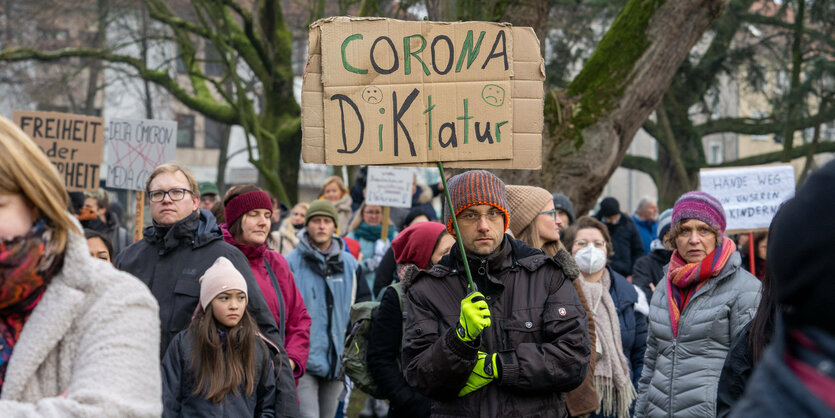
[{"x": 219, "y": 366}]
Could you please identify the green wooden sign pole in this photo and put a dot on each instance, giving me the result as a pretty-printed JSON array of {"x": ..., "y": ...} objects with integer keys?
[{"x": 472, "y": 286}]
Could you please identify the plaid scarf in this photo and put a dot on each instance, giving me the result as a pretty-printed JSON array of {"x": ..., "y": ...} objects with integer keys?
[
  {"x": 684, "y": 280},
  {"x": 24, "y": 273}
]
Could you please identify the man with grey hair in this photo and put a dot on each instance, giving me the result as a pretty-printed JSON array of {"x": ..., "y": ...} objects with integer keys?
[{"x": 645, "y": 219}]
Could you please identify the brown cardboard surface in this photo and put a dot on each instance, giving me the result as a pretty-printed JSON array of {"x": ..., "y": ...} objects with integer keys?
[
  {"x": 74, "y": 143},
  {"x": 522, "y": 80}
]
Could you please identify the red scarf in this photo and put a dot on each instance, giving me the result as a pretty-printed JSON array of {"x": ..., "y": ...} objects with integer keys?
[
  {"x": 684, "y": 280},
  {"x": 23, "y": 280}
]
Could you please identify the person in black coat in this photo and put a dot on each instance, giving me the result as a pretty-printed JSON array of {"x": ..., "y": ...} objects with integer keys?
[
  {"x": 649, "y": 269},
  {"x": 626, "y": 240},
  {"x": 419, "y": 245},
  {"x": 177, "y": 249}
]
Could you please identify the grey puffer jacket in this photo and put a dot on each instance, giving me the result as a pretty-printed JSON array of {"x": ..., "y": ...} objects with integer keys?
[{"x": 681, "y": 374}]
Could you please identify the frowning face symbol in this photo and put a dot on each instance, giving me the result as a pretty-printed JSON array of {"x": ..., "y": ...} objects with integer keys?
[
  {"x": 372, "y": 95},
  {"x": 493, "y": 95}
]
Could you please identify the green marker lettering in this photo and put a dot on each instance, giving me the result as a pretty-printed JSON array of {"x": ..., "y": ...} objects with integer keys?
[
  {"x": 498, "y": 132},
  {"x": 408, "y": 54},
  {"x": 466, "y": 118},
  {"x": 469, "y": 50},
  {"x": 345, "y": 64},
  {"x": 429, "y": 110},
  {"x": 380, "y": 135}
]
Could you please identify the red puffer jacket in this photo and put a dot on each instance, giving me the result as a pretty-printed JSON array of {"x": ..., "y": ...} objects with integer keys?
[{"x": 296, "y": 327}]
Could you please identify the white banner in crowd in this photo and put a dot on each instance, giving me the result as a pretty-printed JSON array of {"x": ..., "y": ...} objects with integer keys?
[
  {"x": 135, "y": 147},
  {"x": 750, "y": 195},
  {"x": 389, "y": 186}
]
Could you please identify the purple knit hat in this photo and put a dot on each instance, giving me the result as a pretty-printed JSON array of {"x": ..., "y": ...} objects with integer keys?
[{"x": 701, "y": 206}]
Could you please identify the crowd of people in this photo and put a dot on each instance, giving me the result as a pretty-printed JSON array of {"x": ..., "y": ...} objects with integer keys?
[{"x": 507, "y": 304}]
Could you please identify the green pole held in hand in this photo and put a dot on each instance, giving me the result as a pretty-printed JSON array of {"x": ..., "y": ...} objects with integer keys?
[{"x": 472, "y": 286}]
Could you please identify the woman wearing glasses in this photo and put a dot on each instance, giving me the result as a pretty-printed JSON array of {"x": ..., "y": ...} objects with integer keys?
[
  {"x": 534, "y": 220},
  {"x": 621, "y": 331}
]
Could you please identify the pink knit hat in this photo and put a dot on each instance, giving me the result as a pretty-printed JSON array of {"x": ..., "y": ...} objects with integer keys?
[
  {"x": 220, "y": 277},
  {"x": 701, "y": 206}
]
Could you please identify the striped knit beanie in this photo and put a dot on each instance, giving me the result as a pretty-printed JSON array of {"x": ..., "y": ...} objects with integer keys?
[
  {"x": 473, "y": 188},
  {"x": 525, "y": 203},
  {"x": 701, "y": 206}
]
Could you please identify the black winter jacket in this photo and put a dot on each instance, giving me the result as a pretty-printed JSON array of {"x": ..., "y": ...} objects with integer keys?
[
  {"x": 650, "y": 269},
  {"x": 172, "y": 260},
  {"x": 539, "y": 331},
  {"x": 735, "y": 373},
  {"x": 384, "y": 350},
  {"x": 626, "y": 242},
  {"x": 179, "y": 400}
]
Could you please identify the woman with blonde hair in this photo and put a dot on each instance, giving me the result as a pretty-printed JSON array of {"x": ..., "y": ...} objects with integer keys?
[
  {"x": 534, "y": 220},
  {"x": 77, "y": 336},
  {"x": 367, "y": 228},
  {"x": 286, "y": 238},
  {"x": 334, "y": 189}
]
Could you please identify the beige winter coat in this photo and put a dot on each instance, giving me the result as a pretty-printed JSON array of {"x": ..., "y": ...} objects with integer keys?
[{"x": 89, "y": 349}]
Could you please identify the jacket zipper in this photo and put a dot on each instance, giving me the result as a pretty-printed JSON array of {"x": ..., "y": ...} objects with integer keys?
[{"x": 672, "y": 378}]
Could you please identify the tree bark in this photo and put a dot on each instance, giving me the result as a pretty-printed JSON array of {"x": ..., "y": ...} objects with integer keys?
[{"x": 620, "y": 85}]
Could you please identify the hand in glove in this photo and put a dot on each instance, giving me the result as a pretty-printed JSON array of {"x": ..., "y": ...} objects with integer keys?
[
  {"x": 475, "y": 316},
  {"x": 485, "y": 371}
]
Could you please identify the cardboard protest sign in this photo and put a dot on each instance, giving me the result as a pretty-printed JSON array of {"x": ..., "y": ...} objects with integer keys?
[
  {"x": 389, "y": 186},
  {"x": 382, "y": 91},
  {"x": 74, "y": 143},
  {"x": 750, "y": 195},
  {"x": 135, "y": 147}
]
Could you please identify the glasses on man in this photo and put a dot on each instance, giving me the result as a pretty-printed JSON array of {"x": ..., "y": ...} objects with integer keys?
[
  {"x": 551, "y": 213},
  {"x": 474, "y": 217},
  {"x": 157, "y": 196},
  {"x": 584, "y": 243}
]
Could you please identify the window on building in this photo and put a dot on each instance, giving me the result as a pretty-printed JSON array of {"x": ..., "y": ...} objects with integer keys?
[
  {"x": 759, "y": 114},
  {"x": 185, "y": 130},
  {"x": 715, "y": 153},
  {"x": 828, "y": 131},
  {"x": 181, "y": 64},
  {"x": 215, "y": 131},
  {"x": 214, "y": 66}
]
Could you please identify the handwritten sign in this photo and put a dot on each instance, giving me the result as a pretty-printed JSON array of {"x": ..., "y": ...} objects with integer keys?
[
  {"x": 135, "y": 147},
  {"x": 74, "y": 143},
  {"x": 750, "y": 195},
  {"x": 389, "y": 186},
  {"x": 383, "y": 91}
]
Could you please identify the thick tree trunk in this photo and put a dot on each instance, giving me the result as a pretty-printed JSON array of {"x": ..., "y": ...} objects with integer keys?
[{"x": 620, "y": 85}]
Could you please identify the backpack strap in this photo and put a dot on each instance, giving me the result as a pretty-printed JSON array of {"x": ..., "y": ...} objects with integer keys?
[
  {"x": 398, "y": 288},
  {"x": 277, "y": 288}
]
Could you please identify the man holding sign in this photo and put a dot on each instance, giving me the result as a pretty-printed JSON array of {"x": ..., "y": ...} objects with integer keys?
[{"x": 523, "y": 330}]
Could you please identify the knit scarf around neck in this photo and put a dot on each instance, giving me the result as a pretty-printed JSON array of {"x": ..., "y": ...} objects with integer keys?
[
  {"x": 611, "y": 372},
  {"x": 684, "y": 280},
  {"x": 26, "y": 264},
  {"x": 372, "y": 232}
]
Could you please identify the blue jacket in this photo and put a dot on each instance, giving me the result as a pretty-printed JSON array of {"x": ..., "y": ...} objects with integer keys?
[
  {"x": 320, "y": 286},
  {"x": 648, "y": 231},
  {"x": 633, "y": 325}
]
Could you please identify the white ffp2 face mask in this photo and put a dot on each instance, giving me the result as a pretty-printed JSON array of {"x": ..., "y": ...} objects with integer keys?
[{"x": 590, "y": 259}]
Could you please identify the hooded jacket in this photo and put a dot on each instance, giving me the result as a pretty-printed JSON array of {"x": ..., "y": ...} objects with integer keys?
[
  {"x": 633, "y": 325},
  {"x": 89, "y": 348},
  {"x": 296, "y": 323},
  {"x": 325, "y": 279},
  {"x": 178, "y": 386},
  {"x": 627, "y": 243},
  {"x": 649, "y": 269},
  {"x": 171, "y": 260},
  {"x": 538, "y": 330},
  {"x": 681, "y": 375}
]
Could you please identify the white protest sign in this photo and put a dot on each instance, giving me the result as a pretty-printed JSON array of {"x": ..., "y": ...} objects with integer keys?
[
  {"x": 135, "y": 147},
  {"x": 389, "y": 186},
  {"x": 750, "y": 195}
]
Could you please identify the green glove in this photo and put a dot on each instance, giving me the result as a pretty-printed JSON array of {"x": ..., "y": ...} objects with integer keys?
[
  {"x": 475, "y": 316},
  {"x": 484, "y": 372}
]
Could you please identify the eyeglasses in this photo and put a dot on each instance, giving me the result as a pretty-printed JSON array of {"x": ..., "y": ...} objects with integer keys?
[
  {"x": 552, "y": 213},
  {"x": 583, "y": 243},
  {"x": 474, "y": 217},
  {"x": 157, "y": 196}
]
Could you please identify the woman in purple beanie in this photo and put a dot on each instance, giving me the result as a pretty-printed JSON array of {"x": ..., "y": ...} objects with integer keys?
[{"x": 696, "y": 313}]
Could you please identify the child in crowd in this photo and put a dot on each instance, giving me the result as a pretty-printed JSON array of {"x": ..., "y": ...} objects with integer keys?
[{"x": 219, "y": 366}]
